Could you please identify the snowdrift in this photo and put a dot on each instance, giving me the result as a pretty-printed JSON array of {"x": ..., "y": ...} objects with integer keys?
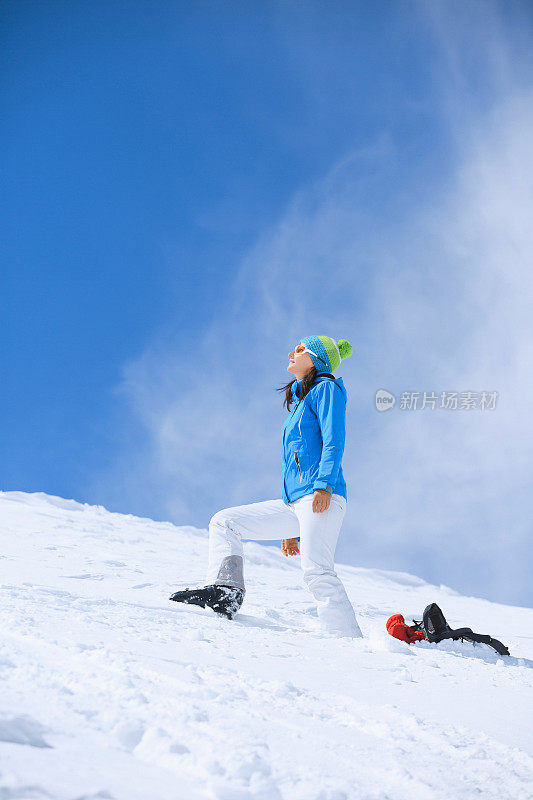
[{"x": 111, "y": 691}]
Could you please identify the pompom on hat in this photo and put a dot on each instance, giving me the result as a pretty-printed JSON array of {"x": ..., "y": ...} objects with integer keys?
[{"x": 329, "y": 353}]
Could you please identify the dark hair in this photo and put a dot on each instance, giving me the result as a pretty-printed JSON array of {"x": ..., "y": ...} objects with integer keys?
[{"x": 307, "y": 382}]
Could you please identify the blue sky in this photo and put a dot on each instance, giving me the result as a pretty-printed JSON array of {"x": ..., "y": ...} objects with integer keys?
[{"x": 188, "y": 189}]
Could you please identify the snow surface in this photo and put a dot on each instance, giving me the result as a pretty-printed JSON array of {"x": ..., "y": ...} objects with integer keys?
[{"x": 111, "y": 691}]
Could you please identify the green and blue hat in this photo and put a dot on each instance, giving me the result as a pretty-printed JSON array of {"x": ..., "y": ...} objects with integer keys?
[{"x": 329, "y": 353}]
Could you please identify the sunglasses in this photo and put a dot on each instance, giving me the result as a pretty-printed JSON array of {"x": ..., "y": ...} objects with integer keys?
[{"x": 301, "y": 348}]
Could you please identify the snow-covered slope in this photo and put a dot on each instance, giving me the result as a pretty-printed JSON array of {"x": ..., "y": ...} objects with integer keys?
[{"x": 111, "y": 691}]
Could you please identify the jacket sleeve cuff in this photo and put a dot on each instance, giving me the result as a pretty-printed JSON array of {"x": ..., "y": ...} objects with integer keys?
[{"x": 321, "y": 485}]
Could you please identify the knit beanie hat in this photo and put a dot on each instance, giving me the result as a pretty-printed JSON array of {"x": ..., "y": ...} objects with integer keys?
[{"x": 330, "y": 352}]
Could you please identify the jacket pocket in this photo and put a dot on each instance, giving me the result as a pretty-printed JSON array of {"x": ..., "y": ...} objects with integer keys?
[{"x": 296, "y": 458}]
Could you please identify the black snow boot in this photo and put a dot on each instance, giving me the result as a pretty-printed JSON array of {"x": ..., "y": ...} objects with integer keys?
[{"x": 224, "y": 600}]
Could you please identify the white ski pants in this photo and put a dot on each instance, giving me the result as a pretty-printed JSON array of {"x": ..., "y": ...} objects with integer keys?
[{"x": 275, "y": 519}]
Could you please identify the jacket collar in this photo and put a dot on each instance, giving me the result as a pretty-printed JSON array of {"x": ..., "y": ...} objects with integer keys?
[
  {"x": 297, "y": 385},
  {"x": 295, "y": 389}
]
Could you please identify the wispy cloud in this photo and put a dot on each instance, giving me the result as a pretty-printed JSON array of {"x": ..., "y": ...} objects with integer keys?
[{"x": 433, "y": 286}]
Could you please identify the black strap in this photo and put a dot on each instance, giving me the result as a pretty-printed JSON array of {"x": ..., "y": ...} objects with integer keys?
[
  {"x": 435, "y": 628},
  {"x": 484, "y": 638}
]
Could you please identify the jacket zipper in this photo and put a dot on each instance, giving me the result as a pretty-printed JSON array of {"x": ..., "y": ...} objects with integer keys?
[{"x": 298, "y": 464}]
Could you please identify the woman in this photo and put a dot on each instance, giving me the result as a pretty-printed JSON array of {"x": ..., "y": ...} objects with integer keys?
[{"x": 314, "y": 496}]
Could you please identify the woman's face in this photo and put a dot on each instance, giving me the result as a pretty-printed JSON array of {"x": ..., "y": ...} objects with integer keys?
[{"x": 299, "y": 364}]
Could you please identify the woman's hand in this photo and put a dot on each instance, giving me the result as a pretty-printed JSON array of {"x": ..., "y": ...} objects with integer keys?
[
  {"x": 321, "y": 500},
  {"x": 289, "y": 547}
]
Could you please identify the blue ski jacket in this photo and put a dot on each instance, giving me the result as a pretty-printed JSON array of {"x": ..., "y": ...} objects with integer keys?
[{"x": 313, "y": 440}]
